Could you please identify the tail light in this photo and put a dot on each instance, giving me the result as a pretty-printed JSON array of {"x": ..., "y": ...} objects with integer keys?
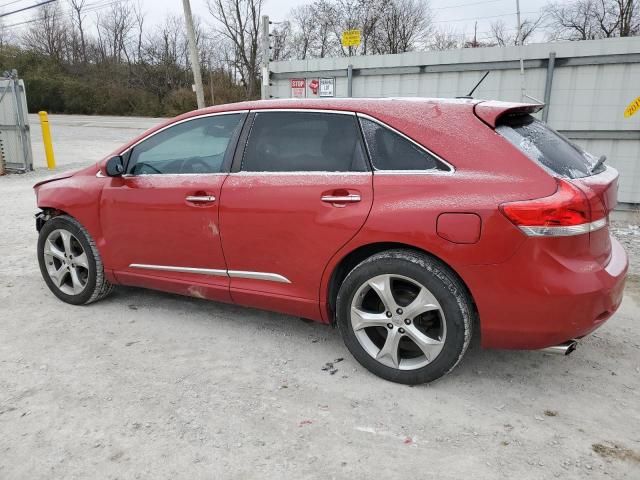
[{"x": 567, "y": 212}]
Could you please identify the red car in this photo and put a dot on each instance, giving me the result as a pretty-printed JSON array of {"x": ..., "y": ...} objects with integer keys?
[{"x": 411, "y": 224}]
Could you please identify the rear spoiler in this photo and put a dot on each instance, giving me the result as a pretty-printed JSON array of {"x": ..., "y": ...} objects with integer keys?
[{"x": 491, "y": 111}]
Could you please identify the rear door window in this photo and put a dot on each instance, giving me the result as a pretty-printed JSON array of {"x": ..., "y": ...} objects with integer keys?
[
  {"x": 304, "y": 142},
  {"x": 547, "y": 147},
  {"x": 391, "y": 151}
]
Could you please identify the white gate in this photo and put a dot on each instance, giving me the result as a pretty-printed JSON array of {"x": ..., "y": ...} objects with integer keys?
[{"x": 15, "y": 137}]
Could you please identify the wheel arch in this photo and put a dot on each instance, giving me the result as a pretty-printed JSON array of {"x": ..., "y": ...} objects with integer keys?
[
  {"x": 47, "y": 213},
  {"x": 349, "y": 261}
]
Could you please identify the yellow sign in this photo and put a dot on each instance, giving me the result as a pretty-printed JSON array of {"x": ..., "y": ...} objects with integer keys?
[
  {"x": 632, "y": 108},
  {"x": 351, "y": 38}
]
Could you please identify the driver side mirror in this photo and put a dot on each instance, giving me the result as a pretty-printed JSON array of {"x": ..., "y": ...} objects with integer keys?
[{"x": 115, "y": 166}]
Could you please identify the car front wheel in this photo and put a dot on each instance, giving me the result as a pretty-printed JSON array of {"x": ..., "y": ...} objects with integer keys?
[
  {"x": 70, "y": 262},
  {"x": 405, "y": 316}
]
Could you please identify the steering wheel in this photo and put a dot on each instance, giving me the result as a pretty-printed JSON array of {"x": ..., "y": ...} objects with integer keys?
[
  {"x": 140, "y": 167},
  {"x": 189, "y": 165}
]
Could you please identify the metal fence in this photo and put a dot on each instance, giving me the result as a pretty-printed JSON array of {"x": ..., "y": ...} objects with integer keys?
[
  {"x": 585, "y": 85},
  {"x": 15, "y": 138}
]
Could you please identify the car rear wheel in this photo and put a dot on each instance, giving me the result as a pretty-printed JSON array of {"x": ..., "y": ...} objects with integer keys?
[
  {"x": 70, "y": 262},
  {"x": 405, "y": 316}
]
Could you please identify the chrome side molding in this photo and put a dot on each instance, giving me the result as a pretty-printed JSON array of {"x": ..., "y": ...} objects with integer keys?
[
  {"x": 169, "y": 268},
  {"x": 270, "y": 277}
]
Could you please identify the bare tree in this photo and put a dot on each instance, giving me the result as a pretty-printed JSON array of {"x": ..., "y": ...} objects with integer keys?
[
  {"x": 77, "y": 21},
  {"x": 139, "y": 15},
  {"x": 48, "y": 35},
  {"x": 444, "y": 39},
  {"x": 386, "y": 26},
  {"x": 590, "y": 19},
  {"x": 364, "y": 15},
  {"x": 281, "y": 42},
  {"x": 325, "y": 43},
  {"x": 6, "y": 36},
  {"x": 163, "y": 50},
  {"x": 240, "y": 22},
  {"x": 504, "y": 36},
  {"x": 304, "y": 24},
  {"x": 575, "y": 21},
  {"x": 628, "y": 12},
  {"x": 313, "y": 30},
  {"x": 114, "y": 28},
  {"x": 405, "y": 25}
]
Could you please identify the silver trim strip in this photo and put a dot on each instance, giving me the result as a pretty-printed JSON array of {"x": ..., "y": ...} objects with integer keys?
[
  {"x": 271, "y": 277},
  {"x": 560, "y": 231},
  {"x": 196, "y": 117},
  {"x": 165, "y": 175},
  {"x": 168, "y": 268},
  {"x": 412, "y": 172},
  {"x": 299, "y": 172},
  {"x": 308, "y": 110},
  {"x": 452, "y": 169}
]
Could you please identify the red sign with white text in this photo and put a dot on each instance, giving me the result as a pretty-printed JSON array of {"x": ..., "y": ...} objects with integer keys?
[{"x": 298, "y": 89}]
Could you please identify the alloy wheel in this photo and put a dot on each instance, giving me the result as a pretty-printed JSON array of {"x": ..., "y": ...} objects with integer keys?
[
  {"x": 66, "y": 262},
  {"x": 398, "y": 322}
]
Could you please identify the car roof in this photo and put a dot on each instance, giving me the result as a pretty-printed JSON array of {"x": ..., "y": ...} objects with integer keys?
[
  {"x": 396, "y": 108},
  {"x": 369, "y": 106},
  {"x": 424, "y": 120}
]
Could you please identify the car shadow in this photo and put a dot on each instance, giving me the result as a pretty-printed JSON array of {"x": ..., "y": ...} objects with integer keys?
[{"x": 537, "y": 368}]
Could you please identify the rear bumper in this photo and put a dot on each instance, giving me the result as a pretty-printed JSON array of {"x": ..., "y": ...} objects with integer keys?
[{"x": 536, "y": 299}]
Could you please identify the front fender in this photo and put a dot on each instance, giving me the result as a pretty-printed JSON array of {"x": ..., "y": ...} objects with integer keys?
[{"x": 77, "y": 196}]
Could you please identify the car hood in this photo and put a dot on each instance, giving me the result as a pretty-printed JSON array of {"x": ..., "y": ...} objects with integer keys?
[{"x": 62, "y": 175}]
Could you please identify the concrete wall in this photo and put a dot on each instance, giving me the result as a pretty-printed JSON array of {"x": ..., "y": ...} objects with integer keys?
[{"x": 592, "y": 83}]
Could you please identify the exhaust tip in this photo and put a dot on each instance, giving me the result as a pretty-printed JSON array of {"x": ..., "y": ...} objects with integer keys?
[
  {"x": 563, "y": 349},
  {"x": 572, "y": 345}
]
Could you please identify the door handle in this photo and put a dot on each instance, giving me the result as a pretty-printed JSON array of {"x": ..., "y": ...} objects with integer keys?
[
  {"x": 351, "y": 198},
  {"x": 200, "y": 198}
]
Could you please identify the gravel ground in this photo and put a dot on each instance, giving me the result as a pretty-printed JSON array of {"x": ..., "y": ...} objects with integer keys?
[
  {"x": 152, "y": 385},
  {"x": 628, "y": 233}
]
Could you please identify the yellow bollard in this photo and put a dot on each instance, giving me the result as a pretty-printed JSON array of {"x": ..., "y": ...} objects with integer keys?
[{"x": 46, "y": 138}]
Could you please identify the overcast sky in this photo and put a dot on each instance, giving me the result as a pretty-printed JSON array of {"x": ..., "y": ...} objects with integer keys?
[{"x": 455, "y": 15}]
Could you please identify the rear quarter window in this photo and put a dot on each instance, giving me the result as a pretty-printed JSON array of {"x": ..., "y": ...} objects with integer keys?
[
  {"x": 547, "y": 147},
  {"x": 391, "y": 151}
]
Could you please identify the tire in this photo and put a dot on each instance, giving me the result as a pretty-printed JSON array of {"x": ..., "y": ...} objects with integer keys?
[
  {"x": 430, "y": 329},
  {"x": 70, "y": 262}
]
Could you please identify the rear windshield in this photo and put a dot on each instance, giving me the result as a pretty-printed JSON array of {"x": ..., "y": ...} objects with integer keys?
[{"x": 547, "y": 147}]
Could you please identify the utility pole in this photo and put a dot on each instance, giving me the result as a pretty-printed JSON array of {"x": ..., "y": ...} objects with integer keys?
[
  {"x": 266, "y": 54},
  {"x": 213, "y": 101},
  {"x": 210, "y": 67},
  {"x": 475, "y": 35},
  {"x": 193, "y": 53},
  {"x": 520, "y": 42}
]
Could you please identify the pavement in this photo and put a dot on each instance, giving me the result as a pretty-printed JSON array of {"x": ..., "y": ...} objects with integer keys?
[
  {"x": 82, "y": 139},
  {"x": 151, "y": 385}
]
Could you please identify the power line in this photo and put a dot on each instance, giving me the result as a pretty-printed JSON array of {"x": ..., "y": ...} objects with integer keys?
[
  {"x": 466, "y": 4},
  {"x": 90, "y": 7},
  {"x": 10, "y": 3},
  {"x": 480, "y": 18},
  {"x": 27, "y": 8}
]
